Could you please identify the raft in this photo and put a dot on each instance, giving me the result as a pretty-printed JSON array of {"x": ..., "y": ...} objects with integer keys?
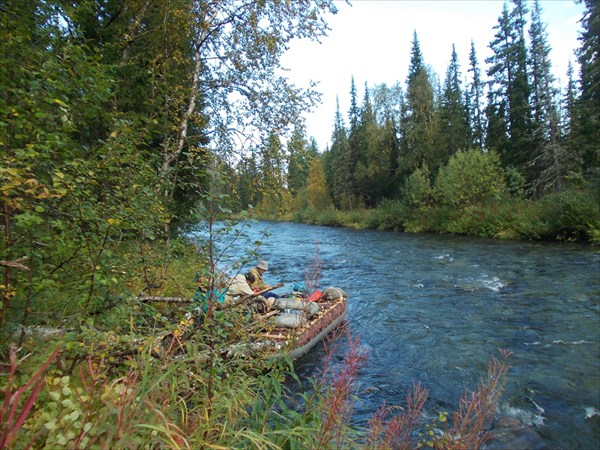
[
  {"x": 297, "y": 342},
  {"x": 312, "y": 320}
]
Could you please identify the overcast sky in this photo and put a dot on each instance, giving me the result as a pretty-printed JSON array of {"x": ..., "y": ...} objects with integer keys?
[{"x": 371, "y": 40}]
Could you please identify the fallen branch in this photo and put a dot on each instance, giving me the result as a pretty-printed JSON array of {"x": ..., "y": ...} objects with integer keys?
[
  {"x": 174, "y": 340},
  {"x": 164, "y": 299},
  {"x": 266, "y": 316},
  {"x": 16, "y": 263}
]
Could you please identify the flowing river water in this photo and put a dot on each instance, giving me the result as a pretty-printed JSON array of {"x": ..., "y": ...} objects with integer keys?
[{"x": 434, "y": 308}]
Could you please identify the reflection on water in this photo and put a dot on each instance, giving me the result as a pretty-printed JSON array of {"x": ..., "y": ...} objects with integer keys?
[{"x": 434, "y": 309}]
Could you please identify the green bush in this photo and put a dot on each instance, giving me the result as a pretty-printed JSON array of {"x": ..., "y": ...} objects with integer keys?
[
  {"x": 391, "y": 215},
  {"x": 570, "y": 215},
  {"x": 425, "y": 219},
  {"x": 355, "y": 218},
  {"x": 470, "y": 178},
  {"x": 386, "y": 217},
  {"x": 329, "y": 217},
  {"x": 306, "y": 215},
  {"x": 526, "y": 221},
  {"x": 490, "y": 220},
  {"x": 417, "y": 192}
]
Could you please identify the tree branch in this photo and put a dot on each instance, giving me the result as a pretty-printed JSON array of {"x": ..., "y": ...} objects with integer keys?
[{"x": 16, "y": 263}]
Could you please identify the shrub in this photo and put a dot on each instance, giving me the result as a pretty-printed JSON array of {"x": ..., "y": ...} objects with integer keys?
[
  {"x": 306, "y": 215},
  {"x": 489, "y": 220},
  {"x": 329, "y": 217},
  {"x": 570, "y": 215},
  {"x": 354, "y": 218},
  {"x": 515, "y": 182},
  {"x": 418, "y": 192},
  {"x": 432, "y": 219},
  {"x": 470, "y": 177},
  {"x": 391, "y": 215},
  {"x": 526, "y": 221}
]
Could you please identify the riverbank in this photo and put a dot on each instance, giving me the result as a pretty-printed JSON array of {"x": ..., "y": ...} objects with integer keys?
[
  {"x": 96, "y": 379},
  {"x": 569, "y": 216}
]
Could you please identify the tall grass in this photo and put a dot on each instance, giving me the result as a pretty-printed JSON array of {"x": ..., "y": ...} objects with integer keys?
[{"x": 153, "y": 403}]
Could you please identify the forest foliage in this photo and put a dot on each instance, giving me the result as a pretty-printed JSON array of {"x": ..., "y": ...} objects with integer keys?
[{"x": 116, "y": 116}]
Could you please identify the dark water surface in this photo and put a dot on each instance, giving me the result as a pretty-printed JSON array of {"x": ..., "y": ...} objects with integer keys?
[{"x": 434, "y": 309}]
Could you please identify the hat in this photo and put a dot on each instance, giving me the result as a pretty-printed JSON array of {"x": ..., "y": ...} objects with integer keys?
[{"x": 262, "y": 264}]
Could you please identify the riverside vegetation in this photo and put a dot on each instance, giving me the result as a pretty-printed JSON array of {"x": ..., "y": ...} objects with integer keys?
[
  {"x": 484, "y": 209},
  {"x": 510, "y": 155},
  {"x": 98, "y": 382}
]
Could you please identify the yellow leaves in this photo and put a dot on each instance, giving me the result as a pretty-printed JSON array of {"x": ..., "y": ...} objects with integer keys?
[
  {"x": 18, "y": 187},
  {"x": 46, "y": 194},
  {"x": 7, "y": 187}
]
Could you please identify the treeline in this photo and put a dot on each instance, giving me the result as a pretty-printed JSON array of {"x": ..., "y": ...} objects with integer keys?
[{"x": 431, "y": 151}]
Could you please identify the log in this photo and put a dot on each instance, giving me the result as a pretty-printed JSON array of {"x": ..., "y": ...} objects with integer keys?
[
  {"x": 270, "y": 335},
  {"x": 164, "y": 299},
  {"x": 153, "y": 298}
]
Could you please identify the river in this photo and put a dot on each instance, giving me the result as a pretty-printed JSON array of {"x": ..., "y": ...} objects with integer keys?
[{"x": 434, "y": 308}]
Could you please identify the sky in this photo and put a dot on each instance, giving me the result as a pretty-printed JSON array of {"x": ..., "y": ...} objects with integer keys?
[{"x": 371, "y": 40}]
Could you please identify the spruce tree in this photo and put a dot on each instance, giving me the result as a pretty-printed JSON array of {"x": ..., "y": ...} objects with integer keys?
[
  {"x": 542, "y": 80},
  {"x": 568, "y": 106},
  {"x": 420, "y": 116},
  {"x": 519, "y": 90},
  {"x": 475, "y": 96},
  {"x": 355, "y": 154},
  {"x": 336, "y": 163},
  {"x": 453, "y": 119},
  {"x": 274, "y": 197},
  {"x": 587, "y": 121},
  {"x": 354, "y": 112},
  {"x": 299, "y": 160},
  {"x": 550, "y": 155},
  {"x": 383, "y": 162},
  {"x": 508, "y": 96},
  {"x": 368, "y": 153}
]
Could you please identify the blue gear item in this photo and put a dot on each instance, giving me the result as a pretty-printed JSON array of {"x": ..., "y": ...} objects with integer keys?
[{"x": 201, "y": 297}]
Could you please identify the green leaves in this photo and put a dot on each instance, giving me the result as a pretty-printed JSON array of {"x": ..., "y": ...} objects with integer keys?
[{"x": 470, "y": 177}]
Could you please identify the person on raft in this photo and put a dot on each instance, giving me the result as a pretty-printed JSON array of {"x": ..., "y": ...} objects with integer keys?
[{"x": 259, "y": 284}]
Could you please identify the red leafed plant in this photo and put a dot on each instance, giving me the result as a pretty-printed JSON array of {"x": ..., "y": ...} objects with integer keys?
[
  {"x": 394, "y": 427},
  {"x": 18, "y": 401},
  {"x": 338, "y": 383}
]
